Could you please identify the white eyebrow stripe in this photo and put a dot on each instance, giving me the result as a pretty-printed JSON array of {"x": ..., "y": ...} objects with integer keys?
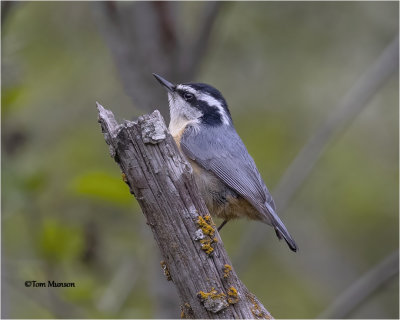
[
  {"x": 187, "y": 88},
  {"x": 209, "y": 99}
]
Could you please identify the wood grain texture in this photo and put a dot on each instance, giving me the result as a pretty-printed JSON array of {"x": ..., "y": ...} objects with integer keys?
[{"x": 194, "y": 257}]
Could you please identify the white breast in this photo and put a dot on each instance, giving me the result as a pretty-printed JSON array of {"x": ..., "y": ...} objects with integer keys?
[{"x": 177, "y": 125}]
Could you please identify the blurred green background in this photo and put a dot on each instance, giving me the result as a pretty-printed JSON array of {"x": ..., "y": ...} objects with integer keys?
[{"x": 283, "y": 67}]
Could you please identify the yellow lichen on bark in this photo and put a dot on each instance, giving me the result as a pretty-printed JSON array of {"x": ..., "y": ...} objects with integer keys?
[
  {"x": 206, "y": 225},
  {"x": 206, "y": 246},
  {"x": 227, "y": 270},
  {"x": 233, "y": 295},
  {"x": 213, "y": 294}
]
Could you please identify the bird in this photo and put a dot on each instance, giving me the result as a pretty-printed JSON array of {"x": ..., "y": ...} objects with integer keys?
[{"x": 225, "y": 173}]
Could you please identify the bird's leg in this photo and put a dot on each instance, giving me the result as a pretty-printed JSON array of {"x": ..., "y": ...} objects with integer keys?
[{"x": 222, "y": 224}]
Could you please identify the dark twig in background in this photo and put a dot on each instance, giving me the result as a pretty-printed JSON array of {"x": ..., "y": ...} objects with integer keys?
[
  {"x": 6, "y": 7},
  {"x": 147, "y": 37},
  {"x": 194, "y": 53}
]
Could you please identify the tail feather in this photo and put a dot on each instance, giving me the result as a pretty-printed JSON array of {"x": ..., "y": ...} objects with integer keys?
[
  {"x": 289, "y": 240},
  {"x": 280, "y": 229}
]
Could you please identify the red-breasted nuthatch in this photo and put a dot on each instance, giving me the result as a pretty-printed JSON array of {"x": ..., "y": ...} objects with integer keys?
[{"x": 225, "y": 173}]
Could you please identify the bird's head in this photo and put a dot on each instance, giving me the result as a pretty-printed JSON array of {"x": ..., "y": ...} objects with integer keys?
[{"x": 196, "y": 103}]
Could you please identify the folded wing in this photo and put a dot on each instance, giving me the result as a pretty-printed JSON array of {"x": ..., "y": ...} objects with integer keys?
[{"x": 226, "y": 156}]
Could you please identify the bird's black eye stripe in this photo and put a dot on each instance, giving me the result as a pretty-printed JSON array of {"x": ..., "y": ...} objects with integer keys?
[{"x": 188, "y": 96}]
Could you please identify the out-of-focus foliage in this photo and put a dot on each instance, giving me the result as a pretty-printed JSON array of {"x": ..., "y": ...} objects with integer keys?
[{"x": 282, "y": 66}]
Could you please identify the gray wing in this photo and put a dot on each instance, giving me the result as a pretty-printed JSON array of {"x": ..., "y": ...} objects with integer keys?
[{"x": 225, "y": 155}]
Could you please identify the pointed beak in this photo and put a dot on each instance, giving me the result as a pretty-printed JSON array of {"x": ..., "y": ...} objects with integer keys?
[{"x": 170, "y": 87}]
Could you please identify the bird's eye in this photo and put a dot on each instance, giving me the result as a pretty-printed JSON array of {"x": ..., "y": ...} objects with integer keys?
[{"x": 187, "y": 96}]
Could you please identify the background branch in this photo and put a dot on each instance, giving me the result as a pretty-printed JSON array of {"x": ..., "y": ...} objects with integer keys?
[
  {"x": 199, "y": 45},
  {"x": 6, "y": 7},
  {"x": 355, "y": 100},
  {"x": 147, "y": 37},
  {"x": 363, "y": 288},
  {"x": 342, "y": 116},
  {"x": 194, "y": 256}
]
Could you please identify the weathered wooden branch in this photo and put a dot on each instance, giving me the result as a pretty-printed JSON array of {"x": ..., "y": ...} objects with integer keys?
[{"x": 194, "y": 256}]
